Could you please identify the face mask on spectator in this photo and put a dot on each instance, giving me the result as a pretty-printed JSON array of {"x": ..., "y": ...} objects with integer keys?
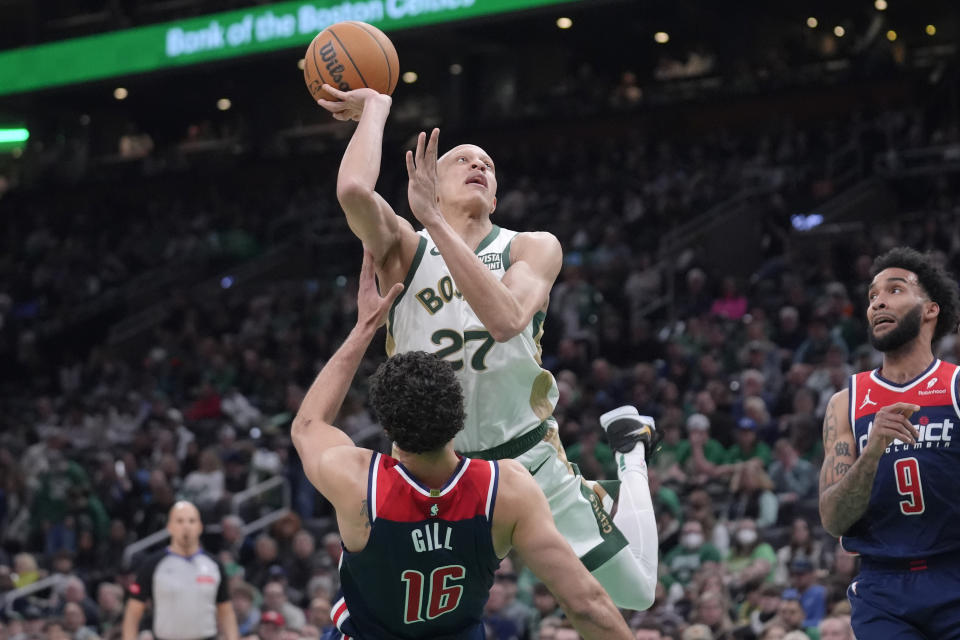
[
  {"x": 746, "y": 536},
  {"x": 692, "y": 540}
]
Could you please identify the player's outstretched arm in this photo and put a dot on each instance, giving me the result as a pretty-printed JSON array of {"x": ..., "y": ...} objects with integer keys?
[
  {"x": 505, "y": 307},
  {"x": 370, "y": 216},
  {"x": 846, "y": 479},
  {"x": 522, "y": 518},
  {"x": 312, "y": 432}
]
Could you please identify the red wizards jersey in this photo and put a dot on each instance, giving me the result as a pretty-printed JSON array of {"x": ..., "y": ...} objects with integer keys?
[
  {"x": 914, "y": 508},
  {"x": 428, "y": 565}
]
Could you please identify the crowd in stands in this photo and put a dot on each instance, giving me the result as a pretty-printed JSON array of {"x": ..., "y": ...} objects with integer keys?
[{"x": 737, "y": 376}]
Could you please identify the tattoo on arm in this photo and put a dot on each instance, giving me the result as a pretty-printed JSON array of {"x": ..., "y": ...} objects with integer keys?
[
  {"x": 846, "y": 481},
  {"x": 365, "y": 514}
]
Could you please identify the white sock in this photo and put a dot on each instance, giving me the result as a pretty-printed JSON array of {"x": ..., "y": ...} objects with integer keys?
[
  {"x": 635, "y": 517},
  {"x": 632, "y": 460}
]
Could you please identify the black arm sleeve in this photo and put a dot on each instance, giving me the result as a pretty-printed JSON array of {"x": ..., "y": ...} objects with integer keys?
[
  {"x": 223, "y": 591},
  {"x": 142, "y": 588}
]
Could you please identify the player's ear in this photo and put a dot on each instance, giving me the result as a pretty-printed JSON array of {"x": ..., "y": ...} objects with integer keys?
[
  {"x": 494, "y": 205},
  {"x": 932, "y": 310}
]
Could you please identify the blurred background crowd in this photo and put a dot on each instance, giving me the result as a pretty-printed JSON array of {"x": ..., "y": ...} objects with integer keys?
[{"x": 166, "y": 299}]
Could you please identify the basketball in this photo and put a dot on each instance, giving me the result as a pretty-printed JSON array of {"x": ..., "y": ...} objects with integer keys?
[{"x": 350, "y": 55}]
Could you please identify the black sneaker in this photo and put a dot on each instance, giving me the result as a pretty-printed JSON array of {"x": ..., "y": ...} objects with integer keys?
[{"x": 625, "y": 427}]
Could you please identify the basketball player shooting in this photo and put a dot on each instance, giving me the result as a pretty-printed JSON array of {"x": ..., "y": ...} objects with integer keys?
[
  {"x": 423, "y": 532},
  {"x": 476, "y": 295},
  {"x": 888, "y": 482}
]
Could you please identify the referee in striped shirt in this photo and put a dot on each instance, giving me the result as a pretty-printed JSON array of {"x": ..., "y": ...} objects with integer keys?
[{"x": 187, "y": 585}]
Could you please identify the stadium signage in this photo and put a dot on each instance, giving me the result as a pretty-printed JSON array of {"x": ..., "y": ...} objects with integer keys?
[{"x": 223, "y": 35}]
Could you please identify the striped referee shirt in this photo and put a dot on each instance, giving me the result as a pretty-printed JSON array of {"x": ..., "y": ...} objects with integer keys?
[{"x": 185, "y": 591}]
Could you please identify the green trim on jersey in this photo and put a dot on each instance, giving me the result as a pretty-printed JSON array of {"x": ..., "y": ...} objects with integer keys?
[
  {"x": 512, "y": 448},
  {"x": 613, "y": 539},
  {"x": 414, "y": 264},
  {"x": 494, "y": 232},
  {"x": 538, "y": 319},
  {"x": 505, "y": 256}
]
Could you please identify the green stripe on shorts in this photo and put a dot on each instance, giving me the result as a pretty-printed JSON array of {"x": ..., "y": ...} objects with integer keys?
[{"x": 613, "y": 539}]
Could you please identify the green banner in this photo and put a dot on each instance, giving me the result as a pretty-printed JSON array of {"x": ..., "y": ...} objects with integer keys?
[{"x": 223, "y": 35}]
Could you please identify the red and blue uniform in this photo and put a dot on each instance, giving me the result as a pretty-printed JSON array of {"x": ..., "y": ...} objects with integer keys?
[
  {"x": 427, "y": 568},
  {"x": 909, "y": 537}
]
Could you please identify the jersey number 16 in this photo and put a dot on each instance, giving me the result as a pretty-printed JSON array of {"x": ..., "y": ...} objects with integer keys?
[{"x": 442, "y": 597}]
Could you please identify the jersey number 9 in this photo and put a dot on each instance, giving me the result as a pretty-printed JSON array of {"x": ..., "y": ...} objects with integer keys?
[{"x": 908, "y": 484}]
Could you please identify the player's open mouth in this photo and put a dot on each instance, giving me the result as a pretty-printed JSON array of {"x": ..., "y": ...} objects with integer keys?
[
  {"x": 879, "y": 321},
  {"x": 479, "y": 179}
]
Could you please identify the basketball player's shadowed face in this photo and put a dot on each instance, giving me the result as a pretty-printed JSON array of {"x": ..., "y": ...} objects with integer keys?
[
  {"x": 896, "y": 311},
  {"x": 467, "y": 179}
]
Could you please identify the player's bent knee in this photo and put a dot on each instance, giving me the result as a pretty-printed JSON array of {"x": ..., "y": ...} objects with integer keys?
[{"x": 624, "y": 579}]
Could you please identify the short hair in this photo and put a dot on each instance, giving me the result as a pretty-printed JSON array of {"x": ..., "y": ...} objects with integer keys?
[
  {"x": 939, "y": 285},
  {"x": 418, "y": 400}
]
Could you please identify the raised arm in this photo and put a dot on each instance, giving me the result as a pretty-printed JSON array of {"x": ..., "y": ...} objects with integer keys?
[
  {"x": 846, "y": 479},
  {"x": 319, "y": 444},
  {"x": 522, "y": 518},
  {"x": 370, "y": 216},
  {"x": 505, "y": 307}
]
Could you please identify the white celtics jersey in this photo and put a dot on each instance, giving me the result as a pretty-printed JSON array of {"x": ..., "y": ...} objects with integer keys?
[{"x": 506, "y": 391}]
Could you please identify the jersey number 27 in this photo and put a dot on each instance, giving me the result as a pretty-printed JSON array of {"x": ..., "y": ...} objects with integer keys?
[{"x": 442, "y": 596}]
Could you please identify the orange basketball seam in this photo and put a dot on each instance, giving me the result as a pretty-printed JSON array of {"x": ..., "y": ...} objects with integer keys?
[
  {"x": 362, "y": 79},
  {"x": 386, "y": 57}
]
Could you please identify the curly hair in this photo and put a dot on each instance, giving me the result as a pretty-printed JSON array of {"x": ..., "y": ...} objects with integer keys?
[
  {"x": 939, "y": 285},
  {"x": 418, "y": 400}
]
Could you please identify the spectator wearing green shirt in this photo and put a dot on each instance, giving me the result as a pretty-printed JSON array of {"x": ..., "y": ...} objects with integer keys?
[
  {"x": 700, "y": 456},
  {"x": 752, "y": 561},
  {"x": 684, "y": 560},
  {"x": 748, "y": 445}
]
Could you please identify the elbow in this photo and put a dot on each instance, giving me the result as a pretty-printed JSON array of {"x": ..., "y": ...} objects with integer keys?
[
  {"x": 832, "y": 528},
  {"x": 506, "y": 328},
  {"x": 829, "y": 522},
  {"x": 351, "y": 191},
  {"x": 588, "y": 605},
  {"x": 298, "y": 429}
]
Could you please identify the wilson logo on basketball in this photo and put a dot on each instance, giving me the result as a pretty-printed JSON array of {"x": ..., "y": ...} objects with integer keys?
[{"x": 329, "y": 55}]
